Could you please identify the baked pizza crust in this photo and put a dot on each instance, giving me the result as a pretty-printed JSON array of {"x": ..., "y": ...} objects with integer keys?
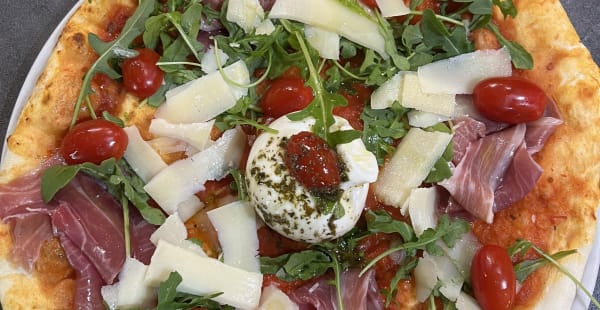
[{"x": 569, "y": 185}]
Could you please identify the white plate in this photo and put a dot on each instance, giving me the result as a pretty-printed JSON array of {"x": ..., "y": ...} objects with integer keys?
[{"x": 590, "y": 272}]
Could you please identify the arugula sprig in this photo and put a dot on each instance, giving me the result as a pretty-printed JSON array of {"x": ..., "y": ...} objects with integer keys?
[
  {"x": 120, "y": 180},
  {"x": 525, "y": 268},
  {"x": 109, "y": 51},
  {"x": 169, "y": 298},
  {"x": 447, "y": 230}
]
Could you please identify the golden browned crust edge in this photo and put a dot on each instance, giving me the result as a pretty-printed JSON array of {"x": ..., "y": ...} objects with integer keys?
[
  {"x": 40, "y": 127},
  {"x": 565, "y": 70}
]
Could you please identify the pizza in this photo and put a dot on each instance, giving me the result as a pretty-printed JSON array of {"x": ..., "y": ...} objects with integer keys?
[{"x": 304, "y": 154}]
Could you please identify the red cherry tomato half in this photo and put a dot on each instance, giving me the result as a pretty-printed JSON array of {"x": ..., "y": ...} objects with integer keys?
[
  {"x": 141, "y": 75},
  {"x": 312, "y": 162},
  {"x": 285, "y": 95},
  {"x": 509, "y": 99},
  {"x": 370, "y": 3},
  {"x": 493, "y": 278},
  {"x": 93, "y": 141}
]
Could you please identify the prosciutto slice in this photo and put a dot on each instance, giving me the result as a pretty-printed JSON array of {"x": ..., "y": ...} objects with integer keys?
[
  {"x": 520, "y": 178},
  {"x": 89, "y": 282},
  {"x": 358, "y": 293},
  {"x": 93, "y": 221},
  {"x": 29, "y": 233},
  {"x": 477, "y": 176},
  {"x": 89, "y": 223}
]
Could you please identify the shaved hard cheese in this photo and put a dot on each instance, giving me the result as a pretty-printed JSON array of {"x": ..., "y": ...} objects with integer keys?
[
  {"x": 196, "y": 134},
  {"x": 429, "y": 270},
  {"x": 462, "y": 253},
  {"x": 460, "y": 74},
  {"x": 179, "y": 181},
  {"x": 265, "y": 28},
  {"x": 412, "y": 96},
  {"x": 390, "y": 8},
  {"x": 425, "y": 119},
  {"x": 451, "y": 280},
  {"x": 141, "y": 156},
  {"x": 166, "y": 145},
  {"x": 235, "y": 224},
  {"x": 273, "y": 298},
  {"x": 247, "y": 14},
  {"x": 384, "y": 96},
  {"x": 409, "y": 166},
  {"x": 133, "y": 291},
  {"x": 327, "y": 43},
  {"x": 174, "y": 231},
  {"x": 422, "y": 204},
  {"x": 466, "y": 302},
  {"x": 209, "y": 60},
  {"x": 425, "y": 278},
  {"x": 189, "y": 207},
  {"x": 204, "y": 98},
  {"x": 333, "y": 16},
  {"x": 204, "y": 275}
]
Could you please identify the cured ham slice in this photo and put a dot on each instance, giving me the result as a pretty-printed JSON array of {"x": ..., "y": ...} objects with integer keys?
[
  {"x": 520, "y": 178},
  {"x": 88, "y": 280},
  {"x": 481, "y": 170},
  {"x": 359, "y": 293},
  {"x": 89, "y": 223},
  {"x": 29, "y": 233}
]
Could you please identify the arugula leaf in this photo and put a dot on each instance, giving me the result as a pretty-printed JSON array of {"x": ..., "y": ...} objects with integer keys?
[
  {"x": 402, "y": 273},
  {"x": 507, "y": 7},
  {"x": 520, "y": 58},
  {"x": 108, "y": 51},
  {"x": 522, "y": 246},
  {"x": 382, "y": 127},
  {"x": 449, "y": 231},
  {"x": 436, "y": 35},
  {"x": 525, "y": 268},
  {"x": 119, "y": 178},
  {"x": 169, "y": 298},
  {"x": 381, "y": 221},
  {"x": 302, "y": 265}
]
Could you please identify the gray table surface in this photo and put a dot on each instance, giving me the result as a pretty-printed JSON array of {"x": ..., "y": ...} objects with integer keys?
[{"x": 26, "y": 24}]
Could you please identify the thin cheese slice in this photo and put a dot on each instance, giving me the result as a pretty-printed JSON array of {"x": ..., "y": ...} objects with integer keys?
[
  {"x": 235, "y": 224},
  {"x": 196, "y": 134},
  {"x": 273, "y": 298},
  {"x": 412, "y": 96},
  {"x": 422, "y": 204},
  {"x": 384, "y": 96},
  {"x": 174, "y": 231},
  {"x": 133, "y": 291},
  {"x": 333, "y": 16},
  {"x": 204, "y": 98},
  {"x": 248, "y": 14},
  {"x": 460, "y": 74},
  {"x": 409, "y": 166},
  {"x": 179, "y": 181},
  {"x": 390, "y": 8},
  {"x": 327, "y": 43},
  {"x": 204, "y": 275},
  {"x": 141, "y": 156},
  {"x": 425, "y": 119}
]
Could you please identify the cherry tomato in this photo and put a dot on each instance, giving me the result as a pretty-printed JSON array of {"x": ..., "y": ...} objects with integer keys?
[
  {"x": 141, "y": 75},
  {"x": 93, "y": 141},
  {"x": 509, "y": 99},
  {"x": 285, "y": 95},
  {"x": 312, "y": 162},
  {"x": 356, "y": 104},
  {"x": 370, "y": 3},
  {"x": 493, "y": 278}
]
